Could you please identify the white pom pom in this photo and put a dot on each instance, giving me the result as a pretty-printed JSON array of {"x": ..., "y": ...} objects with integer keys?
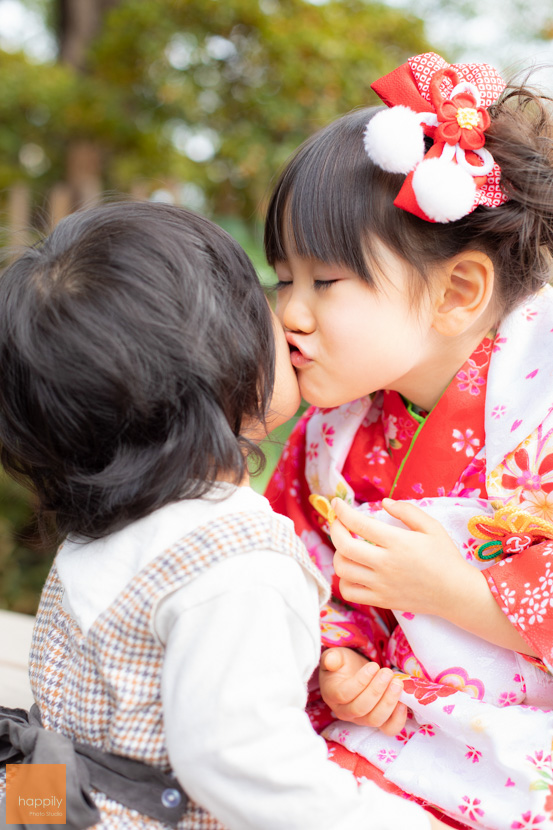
[
  {"x": 394, "y": 139},
  {"x": 444, "y": 191}
]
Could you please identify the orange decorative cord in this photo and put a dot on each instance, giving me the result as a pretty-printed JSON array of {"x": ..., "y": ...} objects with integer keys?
[
  {"x": 322, "y": 506},
  {"x": 510, "y": 530}
]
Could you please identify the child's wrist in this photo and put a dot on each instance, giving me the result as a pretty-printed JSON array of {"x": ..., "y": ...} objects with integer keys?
[{"x": 462, "y": 586}]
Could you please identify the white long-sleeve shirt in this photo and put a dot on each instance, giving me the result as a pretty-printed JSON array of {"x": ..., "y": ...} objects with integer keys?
[{"x": 241, "y": 642}]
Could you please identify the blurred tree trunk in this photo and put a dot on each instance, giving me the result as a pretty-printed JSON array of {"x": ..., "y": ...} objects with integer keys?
[{"x": 78, "y": 23}]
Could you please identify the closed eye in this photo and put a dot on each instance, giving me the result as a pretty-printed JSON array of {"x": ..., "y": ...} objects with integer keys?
[
  {"x": 322, "y": 285},
  {"x": 318, "y": 285}
]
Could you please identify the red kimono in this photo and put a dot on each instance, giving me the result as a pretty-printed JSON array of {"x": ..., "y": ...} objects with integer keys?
[{"x": 483, "y": 756}]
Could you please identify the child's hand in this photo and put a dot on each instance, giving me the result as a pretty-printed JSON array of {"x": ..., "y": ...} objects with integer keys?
[
  {"x": 417, "y": 568},
  {"x": 361, "y": 692}
]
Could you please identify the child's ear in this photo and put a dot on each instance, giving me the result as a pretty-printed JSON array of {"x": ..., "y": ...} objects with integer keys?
[{"x": 465, "y": 293}]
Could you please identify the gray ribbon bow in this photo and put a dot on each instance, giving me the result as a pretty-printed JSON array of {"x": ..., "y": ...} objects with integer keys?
[{"x": 134, "y": 784}]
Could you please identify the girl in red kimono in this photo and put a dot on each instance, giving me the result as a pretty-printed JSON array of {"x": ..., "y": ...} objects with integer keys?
[{"x": 412, "y": 247}]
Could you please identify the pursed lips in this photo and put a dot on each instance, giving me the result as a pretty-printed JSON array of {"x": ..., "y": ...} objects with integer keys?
[{"x": 298, "y": 358}]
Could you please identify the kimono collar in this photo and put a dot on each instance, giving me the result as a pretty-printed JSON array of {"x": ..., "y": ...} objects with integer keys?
[{"x": 520, "y": 378}]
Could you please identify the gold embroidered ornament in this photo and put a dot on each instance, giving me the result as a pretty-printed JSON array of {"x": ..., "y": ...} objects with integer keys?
[
  {"x": 467, "y": 118},
  {"x": 510, "y": 530}
]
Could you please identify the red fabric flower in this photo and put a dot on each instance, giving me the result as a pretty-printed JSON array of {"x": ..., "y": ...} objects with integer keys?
[{"x": 461, "y": 120}]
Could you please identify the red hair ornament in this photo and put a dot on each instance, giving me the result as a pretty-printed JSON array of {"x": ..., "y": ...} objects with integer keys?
[{"x": 428, "y": 97}]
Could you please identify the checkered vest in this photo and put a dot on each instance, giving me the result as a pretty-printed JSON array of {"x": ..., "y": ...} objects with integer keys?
[{"x": 104, "y": 688}]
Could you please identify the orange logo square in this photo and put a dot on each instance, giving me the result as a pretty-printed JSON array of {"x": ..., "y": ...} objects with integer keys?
[{"x": 35, "y": 794}]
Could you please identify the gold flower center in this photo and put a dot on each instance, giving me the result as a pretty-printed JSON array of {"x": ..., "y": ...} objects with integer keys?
[{"x": 467, "y": 118}]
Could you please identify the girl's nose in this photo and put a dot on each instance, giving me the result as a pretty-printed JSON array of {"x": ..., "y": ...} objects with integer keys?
[{"x": 294, "y": 311}]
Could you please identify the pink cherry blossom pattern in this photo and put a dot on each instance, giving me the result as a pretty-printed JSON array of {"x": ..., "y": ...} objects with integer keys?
[
  {"x": 312, "y": 451},
  {"x": 473, "y": 754},
  {"x": 377, "y": 455},
  {"x": 468, "y": 549},
  {"x": 528, "y": 821},
  {"x": 406, "y": 429},
  {"x": 343, "y": 735},
  {"x": 540, "y": 759},
  {"x": 465, "y": 442},
  {"x": 470, "y": 808},
  {"x": 328, "y": 432},
  {"x": 386, "y": 756},
  {"x": 470, "y": 380},
  {"x": 405, "y": 735},
  {"x": 508, "y": 699}
]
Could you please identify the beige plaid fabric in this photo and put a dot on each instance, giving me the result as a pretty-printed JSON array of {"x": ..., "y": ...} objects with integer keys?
[{"x": 104, "y": 688}]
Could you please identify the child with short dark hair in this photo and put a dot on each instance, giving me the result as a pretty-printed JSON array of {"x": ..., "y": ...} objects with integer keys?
[
  {"x": 178, "y": 626},
  {"x": 412, "y": 246}
]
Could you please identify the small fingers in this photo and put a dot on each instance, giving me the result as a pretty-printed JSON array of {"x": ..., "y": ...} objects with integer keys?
[
  {"x": 361, "y": 594},
  {"x": 354, "y": 550},
  {"x": 396, "y": 722},
  {"x": 347, "y": 692},
  {"x": 372, "y": 531},
  {"x": 332, "y": 659},
  {"x": 374, "y": 705},
  {"x": 351, "y": 571}
]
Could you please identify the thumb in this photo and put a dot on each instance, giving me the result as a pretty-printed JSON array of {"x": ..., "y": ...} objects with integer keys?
[{"x": 332, "y": 659}]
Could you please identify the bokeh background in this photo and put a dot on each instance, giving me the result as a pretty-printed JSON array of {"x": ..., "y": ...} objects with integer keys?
[{"x": 199, "y": 102}]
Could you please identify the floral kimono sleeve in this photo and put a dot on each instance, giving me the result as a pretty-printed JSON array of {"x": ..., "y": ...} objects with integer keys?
[
  {"x": 522, "y": 584},
  {"x": 523, "y": 587}
]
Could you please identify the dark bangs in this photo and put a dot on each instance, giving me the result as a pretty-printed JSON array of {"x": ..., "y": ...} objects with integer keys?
[{"x": 328, "y": 197}]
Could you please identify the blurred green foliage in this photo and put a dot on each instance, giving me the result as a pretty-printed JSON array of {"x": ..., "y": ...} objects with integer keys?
[
  {"x": 23, "y": 568},
  {"x": 213, "y": 94}
]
